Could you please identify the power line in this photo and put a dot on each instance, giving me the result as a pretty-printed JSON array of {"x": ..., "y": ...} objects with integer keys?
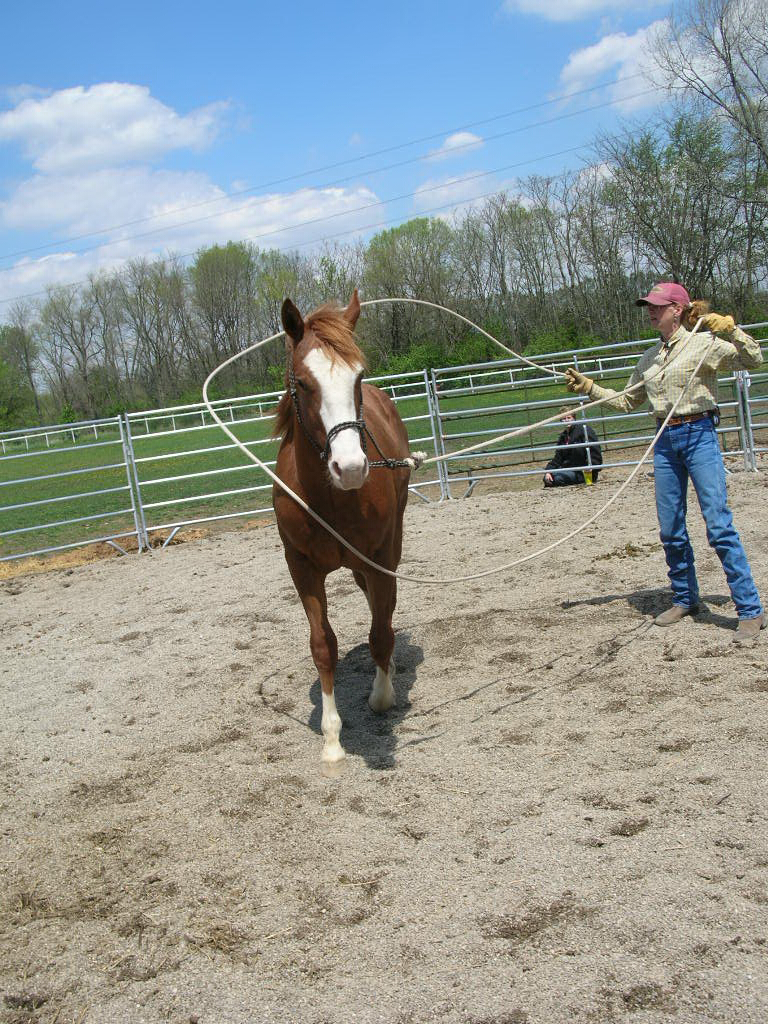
[
  {"x": 327, "y": 167},
  {"x": 388, "y": 167},
  {"x": 347, "y": 213},
  {"x": 407, "y": 195}
]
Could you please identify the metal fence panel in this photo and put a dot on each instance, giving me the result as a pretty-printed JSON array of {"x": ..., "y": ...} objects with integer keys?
[
  {"x": 65, "y": 486},
  {"x": 188, "y": 472},
  {"x": 476, "y": 403},
  {"x": 130, "y": 477},
  {"x": 756, "y": 388}
]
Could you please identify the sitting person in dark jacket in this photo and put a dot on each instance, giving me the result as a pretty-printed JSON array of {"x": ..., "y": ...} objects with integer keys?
[{"x": 570, "y": 461}]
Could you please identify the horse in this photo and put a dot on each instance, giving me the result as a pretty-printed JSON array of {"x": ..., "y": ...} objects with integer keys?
[{"x": 326, "y": 417}]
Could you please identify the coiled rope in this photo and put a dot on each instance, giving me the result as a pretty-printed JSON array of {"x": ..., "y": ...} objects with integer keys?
[{"x": 435, "y": 581}]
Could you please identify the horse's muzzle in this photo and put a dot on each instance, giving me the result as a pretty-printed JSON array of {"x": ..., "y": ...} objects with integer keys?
[{"x": 348, "y": 475}]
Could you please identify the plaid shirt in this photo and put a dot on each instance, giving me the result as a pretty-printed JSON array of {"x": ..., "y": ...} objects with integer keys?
[{"x": 662, "y": 385}]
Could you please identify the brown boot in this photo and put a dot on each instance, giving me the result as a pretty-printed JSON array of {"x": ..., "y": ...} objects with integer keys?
[
  {"x": 748, "y": 629},
  {"x": 674, "y": 614}
]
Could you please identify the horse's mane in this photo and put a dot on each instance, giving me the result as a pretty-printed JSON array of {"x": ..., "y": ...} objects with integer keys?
[
  {"x": 336, "y": 338},
  {"x": 332, "y": 330},
  {"x": 283, "y": 425}
]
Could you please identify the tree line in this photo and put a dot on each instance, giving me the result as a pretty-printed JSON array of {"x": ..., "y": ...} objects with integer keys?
[{"x": 556, "y": 264}]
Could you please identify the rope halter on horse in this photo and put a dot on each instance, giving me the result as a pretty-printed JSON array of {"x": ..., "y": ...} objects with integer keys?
[{"x": 412, "y": 462}]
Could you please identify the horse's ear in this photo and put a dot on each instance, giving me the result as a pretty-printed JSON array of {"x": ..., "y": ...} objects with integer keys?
[
  {"x": 352, "y": 312},
  {"x": 293, "y": 325}
]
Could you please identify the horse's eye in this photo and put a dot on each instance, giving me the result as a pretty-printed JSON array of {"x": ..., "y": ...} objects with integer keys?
[{"x": 302, "y": 384}]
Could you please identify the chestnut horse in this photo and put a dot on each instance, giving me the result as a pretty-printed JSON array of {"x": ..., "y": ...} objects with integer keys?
[{"x": 326, "y": 418}]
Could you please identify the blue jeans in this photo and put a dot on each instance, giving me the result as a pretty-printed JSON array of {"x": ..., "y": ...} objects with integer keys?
[
  {"x": 691, "y": 450},
  {"x": 565, "y": 477}
]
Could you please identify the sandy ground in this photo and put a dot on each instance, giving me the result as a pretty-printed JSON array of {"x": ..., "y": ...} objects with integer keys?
[{"x": 563, "y": 820}]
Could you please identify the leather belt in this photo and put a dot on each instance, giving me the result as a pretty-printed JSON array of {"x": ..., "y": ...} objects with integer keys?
[{"x": 677, "y": 421}]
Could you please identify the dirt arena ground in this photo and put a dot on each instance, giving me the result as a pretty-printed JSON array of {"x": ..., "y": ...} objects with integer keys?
[{"x": 565, "y": 818}]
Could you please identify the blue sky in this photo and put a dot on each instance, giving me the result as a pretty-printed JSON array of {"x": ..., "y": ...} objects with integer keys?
[{"x": 133, "y": 125}]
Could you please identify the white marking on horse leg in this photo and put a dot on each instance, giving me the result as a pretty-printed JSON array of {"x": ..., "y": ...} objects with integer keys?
[
  {"x": 331, "y": 726},
  {"x": 382, "y": 696}
]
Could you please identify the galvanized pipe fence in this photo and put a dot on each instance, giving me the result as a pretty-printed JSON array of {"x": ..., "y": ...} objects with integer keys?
[{"x": 135, "y": 480}]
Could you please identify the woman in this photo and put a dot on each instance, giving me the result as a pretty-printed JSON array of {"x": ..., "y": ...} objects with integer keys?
[
  {"x": 570, "y": 461},
  {"x": 688, "y": 446}
]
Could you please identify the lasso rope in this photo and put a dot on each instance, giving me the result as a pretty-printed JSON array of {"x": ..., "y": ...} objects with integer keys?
[{"x": 514, "y": 433}]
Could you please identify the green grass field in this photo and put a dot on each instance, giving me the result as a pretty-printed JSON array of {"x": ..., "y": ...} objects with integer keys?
[{"x": 167, "y": 464}]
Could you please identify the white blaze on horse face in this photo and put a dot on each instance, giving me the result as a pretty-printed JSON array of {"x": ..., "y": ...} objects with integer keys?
[{"x": 347, "y": 462}]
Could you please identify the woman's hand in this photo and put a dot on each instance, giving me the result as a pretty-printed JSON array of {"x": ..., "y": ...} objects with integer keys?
[
  {"x": 718, "y": 324},
  {"x": 577, "y": 382}
]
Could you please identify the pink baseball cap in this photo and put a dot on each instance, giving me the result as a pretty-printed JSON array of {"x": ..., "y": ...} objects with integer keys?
[{"x": 663, "y": 293}]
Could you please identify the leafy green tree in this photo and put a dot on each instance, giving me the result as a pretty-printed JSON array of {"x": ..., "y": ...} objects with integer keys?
[
  {"x": 17, "y": 406},
  {"x": 20, "y": 348},
  {"x": 667, "y": 192},
  {"x": 223, "y": 286},
  {"x": 413, "y": 260}
]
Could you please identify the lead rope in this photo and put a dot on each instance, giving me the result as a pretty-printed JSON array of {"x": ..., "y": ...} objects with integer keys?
[{"x": 434, "y": 581}]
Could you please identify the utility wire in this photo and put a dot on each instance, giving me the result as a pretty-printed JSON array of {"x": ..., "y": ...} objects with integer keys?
[
  {"x": 333, "y": 216},
  {"x": 317, "y": 170},
  {"x": 340, "y": 181},
  {"x": 405, "y": 195},
  {"x": 345, "y": 213}
]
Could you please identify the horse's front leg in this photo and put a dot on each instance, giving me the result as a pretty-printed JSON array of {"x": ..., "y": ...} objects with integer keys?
[
  {"x": 310, "y": 584},
  {"x": 382, "y": 594}
]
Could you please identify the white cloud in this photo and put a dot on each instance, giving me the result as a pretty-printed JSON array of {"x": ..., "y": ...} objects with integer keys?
[
  {"x": 456, "y": 192},
  {"x": 597, "y": 172},
  {"x": 14, "y": 94},
  {"x": 82, "y": 203},
  {"x": 576, "y": 10},
  {"x": 456, "y": 145},
  {"x": 92, "y": 150},
  {"x": 89, "y": 202},
  {"x": 186, "y": 209},
  {"x": 103, "y": 126},
  {"x": 622, "y": 56}
]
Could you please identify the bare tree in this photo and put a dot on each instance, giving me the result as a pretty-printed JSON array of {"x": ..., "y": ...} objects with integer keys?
[
  {"x": 667, "y": 191},
  {"x": 716, "y": 52},
  {"x": 156, "y": 310},
  {"x": 73, "y": 345},
  {"x": 606, "y": 262}
]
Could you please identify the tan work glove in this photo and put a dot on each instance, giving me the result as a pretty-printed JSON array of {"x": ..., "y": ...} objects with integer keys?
[
  {"x": 718, "y": 324},
  {"x": 577, "y": 382}
]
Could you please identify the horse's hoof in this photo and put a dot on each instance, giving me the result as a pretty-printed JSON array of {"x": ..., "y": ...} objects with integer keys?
[
  {"x": 381, "y": 702},
  {"x": 332, "y": 753},
  {"x": 383, "y": 697}
]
